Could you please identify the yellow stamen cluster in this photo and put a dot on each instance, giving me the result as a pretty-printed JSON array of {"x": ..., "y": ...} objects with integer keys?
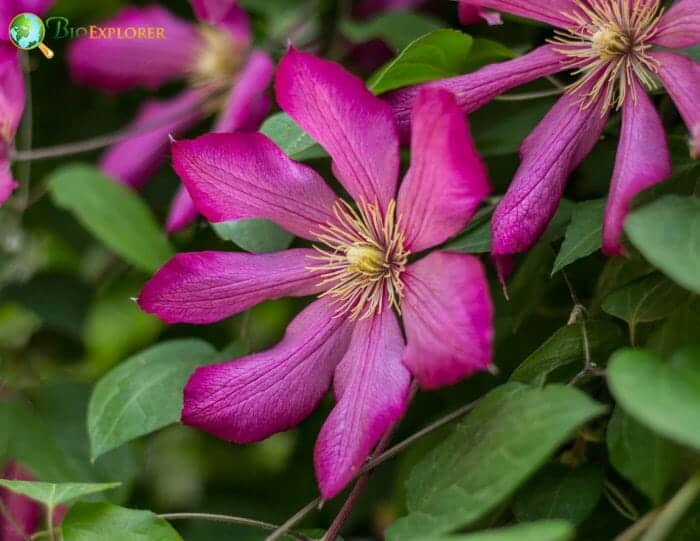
[
  {"x": 218, "y": 60},
  {"x": 609, "y": 41},
  {"x": 362, "y": 260}
]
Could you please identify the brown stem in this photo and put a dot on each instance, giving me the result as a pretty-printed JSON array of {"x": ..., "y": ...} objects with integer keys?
[{"x": 228, "y": 519}]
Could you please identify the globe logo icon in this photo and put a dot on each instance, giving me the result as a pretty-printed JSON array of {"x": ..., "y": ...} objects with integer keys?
[{"x": 27, "y": 32}]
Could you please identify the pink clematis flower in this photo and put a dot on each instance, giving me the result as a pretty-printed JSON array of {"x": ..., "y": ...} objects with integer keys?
[
  {"x": 12, "y": 96},
  {"x": 615, "y": 46},
  {"x": 224, "y": 75},
  {"x": 359, "y": 265}
]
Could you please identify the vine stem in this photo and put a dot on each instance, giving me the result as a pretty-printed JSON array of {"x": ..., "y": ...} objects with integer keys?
[
  {"x": 377, "y": 461},
  {"x": 524, "y": 96},
  {"x": 636, "y": 529},
  {"x": 674, "y": 510},
  {"x": 229, "y": 519},
  {"x": 102, "y": 141}
]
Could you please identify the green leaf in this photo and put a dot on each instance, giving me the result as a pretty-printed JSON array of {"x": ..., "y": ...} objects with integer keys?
[
  {"x": 114, "y": 214},
  {"x": 566, "y": 347},
  {"x": 499, "y": 128},
  {"x": 558, "y": 491},
  {"x": 291, "y": 138},
  {"x": 143, "y": 394},
  {"x": 678, "y": 331},
  {"x": 513, "y": 431},
  {"x": 665, "y": 397},
  {"x": 397, "y": 28},
  {"x": 544, "y": 530},
  {"x": 644, "y": 458},
  {"x": 105, "y": 522},
  {"x": 476, "y": 239},
  {"x": 584, "y": 234},
  {"x": 440, "y": 54},
  {"x": 667, "y": 233},
  {"x": 647, "y": 299},
  {"x": 53, "y": 494},
  {"x": 255, "y": 235}
]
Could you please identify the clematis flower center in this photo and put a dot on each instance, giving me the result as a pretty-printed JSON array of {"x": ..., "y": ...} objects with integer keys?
[
  {"x": 608, "y": 43},
  {"x": 362, "y": 259},
  {"x": 218, "y": 59}
]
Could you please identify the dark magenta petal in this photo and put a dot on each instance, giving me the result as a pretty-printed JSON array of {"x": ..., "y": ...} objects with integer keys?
[
  {"x": 471, "y": 14},
  {"x": 182, "y": 211},
  {"x": 680, "y": 25},
  {"x": 245, "y": 175},
  {"x": 121, "y": 64},
  {"x": 546, "y": 11},
  {"x": 249, "y": 399},
  {"x": 25, "y": 513},
  {"x": 371, "y": 388},
  {"x": 204, "y": 287},
  {"x": 549, "y": 155},
  {"x": 12, "y": 96},
  {"x": 642, "y": 160},
  {"x": 478, "y": 88},
  {"x": 447, "y": 179},
  {"x": 245, "y": 95},
  {"x": 448, "y": 318},
  {"x": 134, "y": 160},
  {"x": 355, "y": 127},
  {"x": 681, "y": 77},
  {"x": 7, "y": 183}
]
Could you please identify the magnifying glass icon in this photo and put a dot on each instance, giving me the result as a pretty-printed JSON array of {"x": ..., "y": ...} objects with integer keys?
[{"x": 27, "y": 32}]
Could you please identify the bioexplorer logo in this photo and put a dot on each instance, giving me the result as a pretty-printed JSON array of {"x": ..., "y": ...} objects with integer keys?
[{"x": 27, "y": 32}]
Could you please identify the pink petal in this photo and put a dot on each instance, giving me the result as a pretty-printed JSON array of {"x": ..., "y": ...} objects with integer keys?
[
  {"x": 447, "y": 179},
  {"x": 249, "y": 399},
  {"x": 642, "y": 161},
  {"x": 448, "y": 318},
  {"x": 371, "y": 387},
  {"x": 245, "y": 175},
  {"x": 549, "y": 155},
  {"x": 25, "y": 513},
  {"x": 470, "y": 14},
  {"x": 252, "y": 82},
  {"x": 135, "y": 160},
  {"x": 478, "y": 88},
  {"x": 182, "y": 211},
  {"x": 212, "y": 11},
  {"x": 680, "y": 25},
  {"x": 7, "y": 182},
  {"x": 356, "y": 128},
  {"x": 12, "y": 95},
  {"x": 121, "y": 64},
  {"x": 546, "y": 11},
  {"x": 236, "y": 22},
  {"x": 204, "y": 287},
  {"x": 681, "y": 77}
]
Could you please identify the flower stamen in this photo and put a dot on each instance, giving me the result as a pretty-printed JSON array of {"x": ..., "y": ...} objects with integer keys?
[
  {"x": 608, "y": 43},
  {"x": 363, "y": 259}
]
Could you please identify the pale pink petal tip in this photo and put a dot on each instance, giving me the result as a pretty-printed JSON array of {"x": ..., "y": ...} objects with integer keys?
[
  {"x": 448, "y": 316},
  {"x": 250, "y": 399},
  {"x": 371, "y": 387}
]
